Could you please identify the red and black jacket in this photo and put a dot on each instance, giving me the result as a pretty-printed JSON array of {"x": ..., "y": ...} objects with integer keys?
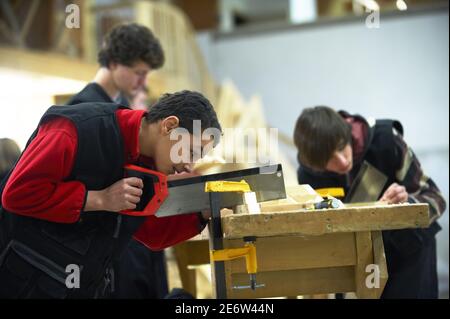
[
  {"x": 411, "y": 275},
  {"x": 34, "y": 253}
]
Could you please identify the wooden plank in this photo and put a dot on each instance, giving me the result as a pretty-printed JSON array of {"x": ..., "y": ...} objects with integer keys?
[
  {"x": 283, "y": 205},
  {"x": 143, "y": 14},
  {"x": 303, "y": 193},
  {"x": 46, "y": 63},
  {"x": 61, "y": 99},
  {"x": 379, "y": 258},
  {"x": 319, "y": 222},
  {"x": 229, "y": 279},
  {"x": 202, "y": 13},
  {"x": 197, "y": 251},
  {"x": 187, "y": 276},
  {"x": 54, "y": 64},
  {"x": 213, "y": 277},
  {"x": 295, "y": 282},
  {"x": 364, "y": 257},
  {"x": 29, "y": 20},
  {"x": 88, "y": 29},
  {"x": 297, "y": 198},
  {"x": 286, "y": 253}
]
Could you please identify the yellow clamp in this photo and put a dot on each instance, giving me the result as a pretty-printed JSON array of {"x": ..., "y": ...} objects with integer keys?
[
  {"x": 226, "y": 186},
  {"x": 248, "y": 251},
  {"x": 332, "y": 191}
]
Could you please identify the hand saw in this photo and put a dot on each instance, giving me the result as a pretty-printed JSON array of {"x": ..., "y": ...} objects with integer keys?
[
  {"x": 367, "y": 186},
  {"x": 167, "y": 198}
]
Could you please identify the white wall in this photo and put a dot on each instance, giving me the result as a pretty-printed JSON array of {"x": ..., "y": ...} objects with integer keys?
[
  {"x": 25, "y": 97},
  {"x": 400, "y": 70}
]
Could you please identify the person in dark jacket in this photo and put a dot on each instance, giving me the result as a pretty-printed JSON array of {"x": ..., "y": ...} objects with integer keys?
[
  {"x": 331, "y": 148},
  {"x": 9, "y": 154},
  {"x": 128, "y": 54},
  {"x": 63, "y": 206}
]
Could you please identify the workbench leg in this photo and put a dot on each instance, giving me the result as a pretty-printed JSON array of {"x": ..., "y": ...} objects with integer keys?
[
  {"x": 379, "y": 258},
  {"x": 187, "y": 276},
  {"x": 364, "y": 258},
  {"x": 216, "y": 243}
]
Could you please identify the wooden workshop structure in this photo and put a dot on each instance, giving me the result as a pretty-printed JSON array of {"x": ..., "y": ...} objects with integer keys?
[{"x": 306, "y": 252}]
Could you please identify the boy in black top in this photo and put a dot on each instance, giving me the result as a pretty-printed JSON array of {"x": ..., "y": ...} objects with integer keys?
[
  {"x": 331, "y": 148},
  {"x": 128, "y": 54}
]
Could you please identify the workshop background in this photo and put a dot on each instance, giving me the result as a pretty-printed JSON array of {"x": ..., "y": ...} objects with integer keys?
[{"x": 264, "y": 59}]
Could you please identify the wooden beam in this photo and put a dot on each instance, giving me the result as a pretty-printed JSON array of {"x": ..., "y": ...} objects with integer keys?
[
  {"x": 364, "y": 258},
  {"x": 46, "y": 63},
  {"x": 379, "y": 259},
  {"x": 188, "y": 276},
  {"x": 319, "y": 222},
  {"x": 7, "y": 33},
  {"x": 29, "y": 20},
  {"x": 287, "y": 253},
  {"x": 59, "y": 65},
  {"x": 295, "y": 282},
  {"x": 61, "y": 99},
  {"x": 88, "y": 28},
  {"x": 13, "y": 21},
  {"x": 198, "y": 251}
]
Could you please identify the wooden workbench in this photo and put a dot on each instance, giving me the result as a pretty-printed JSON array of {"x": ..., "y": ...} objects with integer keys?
[{"x": 304, "y": 252}]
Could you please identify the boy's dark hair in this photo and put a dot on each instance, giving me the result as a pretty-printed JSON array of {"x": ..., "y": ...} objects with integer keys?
[
  {"x": 319, "y": 132},
  {"x": 129, "y": 43},
  {"x": 187, "y": 106}
]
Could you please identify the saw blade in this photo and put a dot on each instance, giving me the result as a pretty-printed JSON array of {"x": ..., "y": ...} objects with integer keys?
[
  {"x": 367, "y": 186},
  {"x": 188, "y": 195}
]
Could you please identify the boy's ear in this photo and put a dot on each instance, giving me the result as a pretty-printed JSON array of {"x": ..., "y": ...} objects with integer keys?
[{"x": 169, "y": 123}]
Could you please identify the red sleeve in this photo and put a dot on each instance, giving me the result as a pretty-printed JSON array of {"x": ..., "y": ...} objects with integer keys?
[
  {"x": 37, "y": 186},
  {"x": 159, "y": 233}
]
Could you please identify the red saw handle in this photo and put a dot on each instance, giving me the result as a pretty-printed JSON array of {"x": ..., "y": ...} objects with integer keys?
[{"x": 154, "y": 193}]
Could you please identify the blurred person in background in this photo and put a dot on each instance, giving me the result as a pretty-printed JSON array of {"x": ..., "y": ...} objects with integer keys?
[
  {"x": 128, "y": 54},
  {"x": 9, "y": 154},
  {"x": 331, "y": 148}
]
